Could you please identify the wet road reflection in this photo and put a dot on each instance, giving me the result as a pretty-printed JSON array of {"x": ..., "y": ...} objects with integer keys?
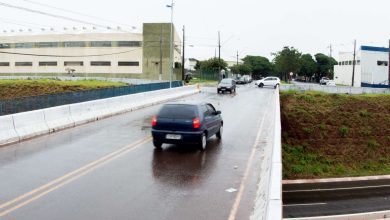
[{"x": 185, "y": 165}]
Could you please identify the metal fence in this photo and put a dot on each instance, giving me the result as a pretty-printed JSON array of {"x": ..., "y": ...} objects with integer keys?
[
  {"x": 46, "y": 101},
  {"x": 210, "y": 75}
]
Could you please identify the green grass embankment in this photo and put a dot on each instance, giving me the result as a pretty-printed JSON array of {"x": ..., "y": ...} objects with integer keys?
[
  {"x": 10, "y": 89},
  {"x": 331, "y": 135}
]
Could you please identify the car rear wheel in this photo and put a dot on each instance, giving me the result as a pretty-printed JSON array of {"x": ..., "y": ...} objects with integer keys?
[
  {"x": 203, "y": 142},
  {"x": 157, "y": 144},
  {"x": 220, "y": 132},
  {"x": 276, "y": 86}
]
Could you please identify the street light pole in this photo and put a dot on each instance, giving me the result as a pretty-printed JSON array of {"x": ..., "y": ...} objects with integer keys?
[{"x": 171, "y": 47}]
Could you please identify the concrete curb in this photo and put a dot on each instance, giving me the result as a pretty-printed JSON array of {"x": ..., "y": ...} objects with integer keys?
[
  {"x": 268, "y": 202},
  {"x": 27, "y": 125},
  {"x": 341, "y": 179},
  {"x": 358, "y": 216}
]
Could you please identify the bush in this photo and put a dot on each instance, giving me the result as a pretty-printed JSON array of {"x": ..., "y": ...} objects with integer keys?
[
  {"x": 344, "y": 131},
  {"x": 373, "y": 144},
  {"x": 364, "y": 113},
  {"x": 308, "y": 130}
]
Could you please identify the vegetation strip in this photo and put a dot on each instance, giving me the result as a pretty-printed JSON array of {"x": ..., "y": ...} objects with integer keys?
[
  {"x": 11, "y": 89},
  {"x": 335, "y": 135}
]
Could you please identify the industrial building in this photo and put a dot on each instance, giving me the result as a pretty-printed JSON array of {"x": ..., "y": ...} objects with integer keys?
[
  {"x": 116, "y": 54},
  {"x": 371, "y": 69}
]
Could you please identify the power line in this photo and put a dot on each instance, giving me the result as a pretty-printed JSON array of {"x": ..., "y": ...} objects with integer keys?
[
  {"x": 77, "y": 13},
  {"x": 49, "y": 14}
]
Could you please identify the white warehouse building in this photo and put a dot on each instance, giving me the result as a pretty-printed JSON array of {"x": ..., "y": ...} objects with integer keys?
[
  {"x": 371, "y": 69},
  {"x": 113, "y": 54}
]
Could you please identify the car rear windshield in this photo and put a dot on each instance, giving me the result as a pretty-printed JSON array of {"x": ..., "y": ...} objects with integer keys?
[
  {"x": 178, "y": 111},
  {"x": 226, "y": 81}
]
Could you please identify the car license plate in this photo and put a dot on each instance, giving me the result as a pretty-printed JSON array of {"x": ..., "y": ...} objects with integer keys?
[
  {"x": 223, "y": 89},
  {"x": 173, "y": 136}
]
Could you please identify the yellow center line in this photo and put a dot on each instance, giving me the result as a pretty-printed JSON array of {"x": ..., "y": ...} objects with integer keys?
[{"x": 69, "y": 177}]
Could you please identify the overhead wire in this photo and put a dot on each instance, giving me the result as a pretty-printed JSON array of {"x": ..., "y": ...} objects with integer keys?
[
  {"x": 77, "y": 13},
  {"x": 50, "y": 14}
]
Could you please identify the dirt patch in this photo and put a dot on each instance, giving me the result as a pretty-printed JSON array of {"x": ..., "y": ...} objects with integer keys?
[{"x": 330, "y": 135}]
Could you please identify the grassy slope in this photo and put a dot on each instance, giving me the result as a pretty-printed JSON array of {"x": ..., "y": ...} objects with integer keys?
[
  {"x": 329, "y": 135},
  {"x": 10, "y": 89}
]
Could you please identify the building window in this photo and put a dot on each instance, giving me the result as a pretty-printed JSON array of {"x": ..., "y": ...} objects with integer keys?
[
  {"x": 101, "y": 44},
  {"x": 129, "y": 43},
  {"x": 128, "y": 63},
  {"x": 358, "y": 62},
  {"x": 47, "y": 44},
  {"x": 48, "y": 63},
  {"x": 5, "y": 45},
  {"x": 23, "y": 63},
  {"x": 350, "y": 62},
  {"x": 73, "y": 63},
  {"x": 382, "y": 63},
  {"x": 75, "y": 44},
  {"x": 4, "y": 63},
  {"x": 100, "y": 63},
  {"x": 24, "y": 45}
]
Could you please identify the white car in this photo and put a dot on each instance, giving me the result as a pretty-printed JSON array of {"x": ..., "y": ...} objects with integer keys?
[
  {"x": 331, "y": 83},
  {"x": 269, "y": 81},
  {"x": 324, "y": 80}
]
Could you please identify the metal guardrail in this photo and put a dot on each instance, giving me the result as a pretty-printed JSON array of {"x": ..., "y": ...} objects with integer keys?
[{"x": 46, "y": 101}]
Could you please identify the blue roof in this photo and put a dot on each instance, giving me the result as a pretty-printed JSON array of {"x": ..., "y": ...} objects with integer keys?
[{"x": 375, "y": 49}]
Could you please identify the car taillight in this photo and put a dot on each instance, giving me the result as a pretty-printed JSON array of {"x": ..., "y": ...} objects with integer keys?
[
  {"x": 196, "y": 122},
  {"x": 154, "y": 121}
]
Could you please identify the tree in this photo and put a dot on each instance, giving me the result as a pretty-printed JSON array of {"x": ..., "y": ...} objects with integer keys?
[
  {"x": 325, "y": 66},
  {"x": 308, "y": 66},
  {"x": 259, "y": 65},
  {"x": 212, "y": 65},
  {"x": 286, "y": 61},
  {"x": 242, "y": 69}
]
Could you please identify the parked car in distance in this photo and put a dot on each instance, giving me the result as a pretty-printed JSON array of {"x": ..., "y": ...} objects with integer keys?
[
  {"x": 227, "y": 85},
  {"x": 269, "y": 81},
  {"x": 186, "y": 123},
  {"x": 324, "y": 80},
  {"x": 331, "y": 83},
  {"x": 241, "y": 80}
]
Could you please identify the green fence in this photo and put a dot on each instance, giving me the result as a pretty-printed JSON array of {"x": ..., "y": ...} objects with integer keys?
[
  {"x": 208, "y": 75},
  {"x": 46, "y": 101}
]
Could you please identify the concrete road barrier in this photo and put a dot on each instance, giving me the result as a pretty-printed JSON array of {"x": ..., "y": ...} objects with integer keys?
[
  {"x": 58, "y": 118},
  {"x": 26, "y": 125},
  {"x": 30, "y": 124},
  {"x": 83, "y": 112},
  {"x": 7, "y": 130}
]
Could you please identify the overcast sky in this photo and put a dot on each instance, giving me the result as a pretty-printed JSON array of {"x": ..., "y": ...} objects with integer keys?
[{"x": 253, "y": 27}]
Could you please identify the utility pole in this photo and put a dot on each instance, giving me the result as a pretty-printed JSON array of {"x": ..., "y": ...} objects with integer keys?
[
  {"x": 331, "y": 50},
  {"x": 160, "y": 75},
  {"x": 388, "y": 65},
  {"x": 183, "y": 58},
  {"x": 354, "y": 63},
  {"x": 219, "y": 54},
  {"x": 237, "y": 57},
  {"x": 171, "y": 47}
]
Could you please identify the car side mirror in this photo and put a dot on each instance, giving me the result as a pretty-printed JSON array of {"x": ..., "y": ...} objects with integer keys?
[{"x": 218, "y": 112}]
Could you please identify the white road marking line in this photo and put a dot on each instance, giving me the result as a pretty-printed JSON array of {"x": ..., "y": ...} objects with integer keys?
[
  {"x": 236, "y": 204},
  {"x": 335, "y": 189},
  {"x": 304, "y": 204}
]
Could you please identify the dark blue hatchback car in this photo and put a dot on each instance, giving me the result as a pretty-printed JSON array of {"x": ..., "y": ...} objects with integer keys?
[{"x": 186, "y": 123}]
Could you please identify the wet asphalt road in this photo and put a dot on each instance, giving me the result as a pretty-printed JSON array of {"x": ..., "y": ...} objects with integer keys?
[
  {"x": 322, "y": 199},
  {"x": 110, "y": 170}
]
